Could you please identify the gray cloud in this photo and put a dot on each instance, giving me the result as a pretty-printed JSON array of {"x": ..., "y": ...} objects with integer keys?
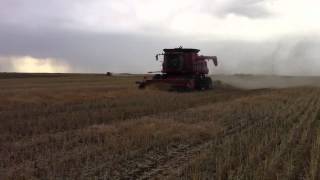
[
  {"x": 35, "y": 14},
  {"x": 251, "y": 9},
  {"x": 112, "y": 15},
  {"x": 87, "y": 52},
  {"x": 248, "y": 8},
  {"x": 48, "y": 29},
  {"x": 5, "y": 65}
]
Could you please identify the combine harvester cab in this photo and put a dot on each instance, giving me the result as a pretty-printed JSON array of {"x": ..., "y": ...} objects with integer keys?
[{"x": 182, "y": 69}]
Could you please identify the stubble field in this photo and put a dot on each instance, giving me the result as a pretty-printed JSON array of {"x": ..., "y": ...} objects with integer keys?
[{"x": 99, "y": 127}]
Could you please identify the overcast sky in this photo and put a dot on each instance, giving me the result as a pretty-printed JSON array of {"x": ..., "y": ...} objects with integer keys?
[{"x": 248, "y": 36}]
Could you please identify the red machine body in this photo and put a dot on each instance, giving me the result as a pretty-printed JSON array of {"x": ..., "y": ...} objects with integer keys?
[{"x": 183, "y": 68}]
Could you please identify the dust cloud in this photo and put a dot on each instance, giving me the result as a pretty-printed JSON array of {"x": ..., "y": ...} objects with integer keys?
[
  {"x": 266, "y": 81},
  {"x": 285, "y": 56}
]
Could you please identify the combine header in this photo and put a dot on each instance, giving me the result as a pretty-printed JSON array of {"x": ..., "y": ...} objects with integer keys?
[{"x": 182, "y": 69}]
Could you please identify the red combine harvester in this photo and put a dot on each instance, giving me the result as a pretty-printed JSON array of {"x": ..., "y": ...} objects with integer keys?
[{"x": 182, "y": 69}]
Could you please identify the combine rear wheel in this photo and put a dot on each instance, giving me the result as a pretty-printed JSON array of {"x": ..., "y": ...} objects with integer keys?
[{"x": 203, "y": 83}]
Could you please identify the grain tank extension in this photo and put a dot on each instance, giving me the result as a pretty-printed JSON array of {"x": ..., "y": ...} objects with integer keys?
[{"x": 182, "y": 69}]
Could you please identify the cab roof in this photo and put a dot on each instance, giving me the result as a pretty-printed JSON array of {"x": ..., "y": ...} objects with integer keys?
[{"x": 185, "y": 50}]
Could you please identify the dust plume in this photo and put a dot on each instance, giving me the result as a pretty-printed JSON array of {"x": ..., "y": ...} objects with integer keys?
[{"x": 266, "y": 81}]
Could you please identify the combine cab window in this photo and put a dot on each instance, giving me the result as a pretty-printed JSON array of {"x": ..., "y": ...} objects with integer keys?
[{"x": 174, "y": 61}]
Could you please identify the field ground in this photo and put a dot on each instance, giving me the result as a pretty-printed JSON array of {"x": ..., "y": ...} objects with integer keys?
[{"x": 99, "y": 127}]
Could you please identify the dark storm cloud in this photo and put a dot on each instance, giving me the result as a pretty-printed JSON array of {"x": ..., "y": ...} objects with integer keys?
[
  {"x": 84, "y": 51},
  {"x": 87, "y": 52},
  {"x": 51, "y": 29}
]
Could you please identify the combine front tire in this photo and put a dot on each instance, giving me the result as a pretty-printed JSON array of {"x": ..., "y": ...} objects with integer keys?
[
  {"x": 208, "y": 83},
  {"x": 157, "y": 77},
  {"x": 142, "y": 86}
]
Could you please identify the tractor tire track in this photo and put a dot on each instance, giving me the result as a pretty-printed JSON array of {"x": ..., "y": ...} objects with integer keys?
[
  {"x": 177, "y": 159},
  {"x": 257, "y": 162},
  {"x": 138, "y": 163},
  {"x": 296, "y": 137},
  {"x": 303, "y": 148},
  {"x": 242, "y": 169}
]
